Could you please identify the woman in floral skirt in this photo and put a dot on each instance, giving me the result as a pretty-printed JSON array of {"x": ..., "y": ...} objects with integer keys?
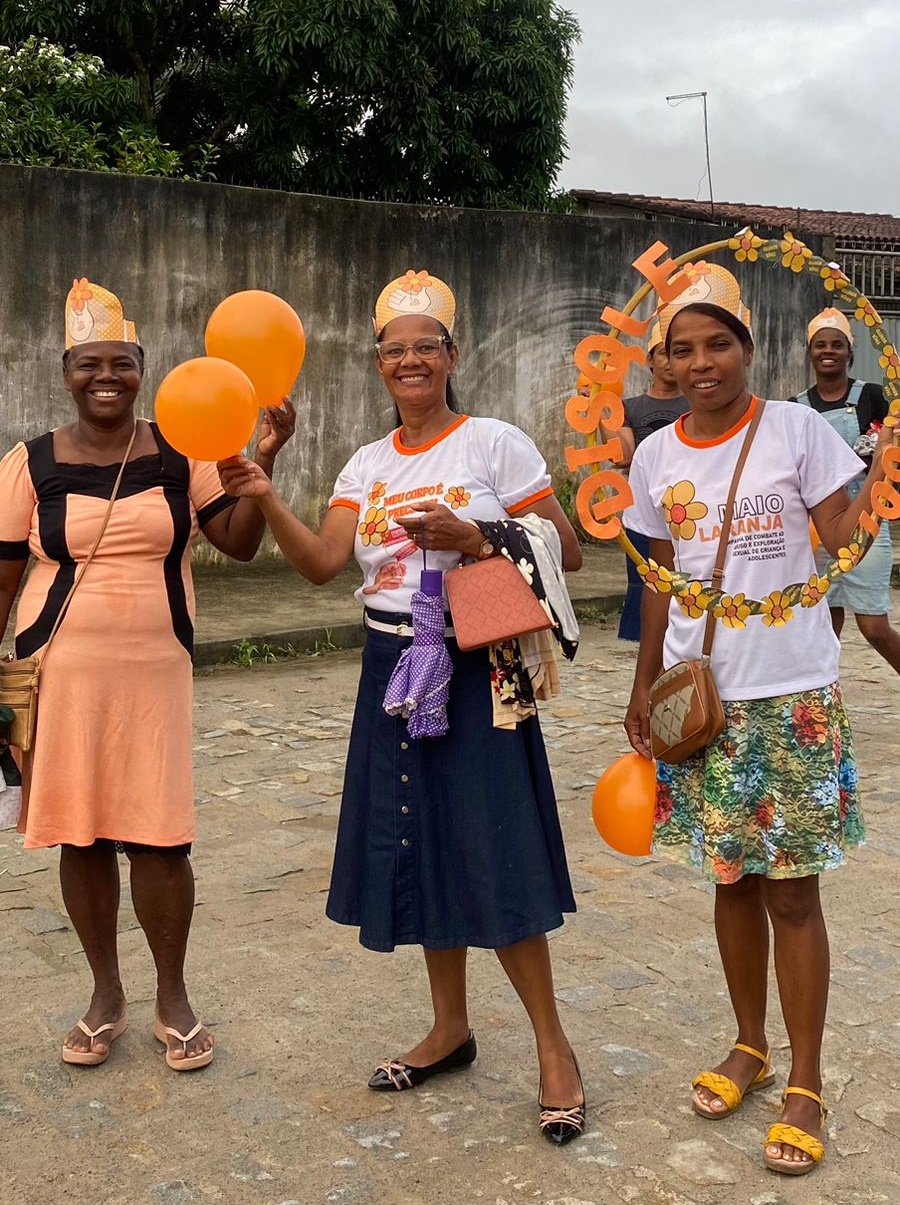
[{"x": 772, "y": 802}]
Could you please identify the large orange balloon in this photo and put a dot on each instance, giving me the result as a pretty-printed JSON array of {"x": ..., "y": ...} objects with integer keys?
[
  {"x": 262, "y": 335},
  {"x": 207, "y": 409},
  {"x": 624, "y": 802}
]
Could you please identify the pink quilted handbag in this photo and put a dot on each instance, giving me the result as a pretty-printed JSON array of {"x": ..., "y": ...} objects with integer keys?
[{"x": 491, "y": 601}]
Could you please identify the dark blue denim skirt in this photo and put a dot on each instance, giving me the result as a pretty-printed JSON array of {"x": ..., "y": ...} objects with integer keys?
[{"x": 451, "y": 841}]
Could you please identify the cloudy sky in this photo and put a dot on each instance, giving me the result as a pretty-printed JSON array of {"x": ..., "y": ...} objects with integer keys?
[{"x": 803, "y": 100}]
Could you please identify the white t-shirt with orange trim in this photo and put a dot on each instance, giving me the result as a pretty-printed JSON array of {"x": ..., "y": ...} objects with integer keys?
[
  {"x": 680, "y": 488},
  {"x": 480, "y": 468}
]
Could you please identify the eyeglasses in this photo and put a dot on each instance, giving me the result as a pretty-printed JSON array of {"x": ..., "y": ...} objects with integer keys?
[{"x": 426, "y": 348}]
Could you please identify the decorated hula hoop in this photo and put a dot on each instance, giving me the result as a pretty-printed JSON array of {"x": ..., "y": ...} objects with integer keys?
[{"x": 697, "y": 597}]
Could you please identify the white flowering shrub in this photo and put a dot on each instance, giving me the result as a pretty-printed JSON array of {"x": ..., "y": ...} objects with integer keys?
[{"x": 59, "y": 110}]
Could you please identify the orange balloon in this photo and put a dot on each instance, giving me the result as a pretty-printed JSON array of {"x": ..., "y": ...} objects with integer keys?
[
  {"x": 262, "y": 335},
  {"x": 624, "y": 803},
  {"x": 813, "y": 536},
  {"x": 207, "y": 409}
]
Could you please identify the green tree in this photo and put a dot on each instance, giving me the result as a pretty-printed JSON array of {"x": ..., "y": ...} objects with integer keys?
[{"x": 461, "y": 102}]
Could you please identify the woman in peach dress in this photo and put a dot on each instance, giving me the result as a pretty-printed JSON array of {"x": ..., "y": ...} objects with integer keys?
[{"x": 111, "y": 761}]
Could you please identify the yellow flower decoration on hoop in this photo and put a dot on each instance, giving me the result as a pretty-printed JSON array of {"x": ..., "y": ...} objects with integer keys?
[
  {"x": 682, "y": 511},
  {"x": 866, "y": 312},
  {"x": 656, "y": 577},
  {"x": 848, "y": 558},
  {"x": 814, "y": 590},
  {"x": 694, "y": 600},
  {"x": 745, "y": 245},
  {"x": 794, "y": 253},
  {"x": 890, "y": 361},
  {"x": 833, "y": 277},
  {"x": 775, "y": 609},
  {"x": 733, "y": 611}
]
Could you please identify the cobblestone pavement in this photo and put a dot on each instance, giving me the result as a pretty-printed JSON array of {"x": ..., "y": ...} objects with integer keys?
[{"x": 301, "y": 1013}]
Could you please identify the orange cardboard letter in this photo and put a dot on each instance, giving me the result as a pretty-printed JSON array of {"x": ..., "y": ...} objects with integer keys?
[
  {"x": 579, "y": 458},
  {"x": 658, "y": 274},
  {"x": 600, "y": 518},
  {"x": 614, "y": 361},
  {"x": 625, "y": 323}
]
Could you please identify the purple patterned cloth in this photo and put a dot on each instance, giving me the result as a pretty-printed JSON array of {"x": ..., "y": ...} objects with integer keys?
[{"x": 420, "y": 683}]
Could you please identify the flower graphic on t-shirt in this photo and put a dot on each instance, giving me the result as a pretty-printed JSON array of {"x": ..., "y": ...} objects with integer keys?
[
  {"x": 732, "y": 610},
  {"x": 775, "y": 609},
  {"x": 456, "y": 496},
  {"x": 376, "y": 493},
  {"x": 681, "y": 510},
  {"x": 814, "y": 591},
  {"x": 374, "y": 525}
]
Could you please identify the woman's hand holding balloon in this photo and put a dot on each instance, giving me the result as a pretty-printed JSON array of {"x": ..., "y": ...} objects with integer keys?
[
  {"x": 275, "y": 430},
  {"x": 243, "y": 478},
  {"x": 637, "y": 722}
]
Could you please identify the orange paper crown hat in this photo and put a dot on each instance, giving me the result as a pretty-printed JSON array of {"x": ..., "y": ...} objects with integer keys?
[
  {"x": 710, "y": 283},
  {"x": 830, "y": 319},
  {"x": 94, "y": 315},
  {"x": 415, "y": 293}
]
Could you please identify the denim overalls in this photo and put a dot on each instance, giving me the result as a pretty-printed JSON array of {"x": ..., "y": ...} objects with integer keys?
[{"x": 866, "y": 589}]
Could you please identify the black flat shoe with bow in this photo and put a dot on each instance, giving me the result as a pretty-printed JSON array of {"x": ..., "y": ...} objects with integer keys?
[
  {"x": 561, "y": 1123},
  {"x": 392, "y": 1075}
]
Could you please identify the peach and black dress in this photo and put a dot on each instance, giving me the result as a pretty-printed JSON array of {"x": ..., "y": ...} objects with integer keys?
[{"x": 112, "y": 753}]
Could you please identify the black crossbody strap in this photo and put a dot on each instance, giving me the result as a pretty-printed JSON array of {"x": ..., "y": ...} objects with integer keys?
[{"x": 80, "y": 574}]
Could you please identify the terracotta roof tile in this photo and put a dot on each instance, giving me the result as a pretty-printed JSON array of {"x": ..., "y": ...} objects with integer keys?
[{"x": 859, "y": 227}]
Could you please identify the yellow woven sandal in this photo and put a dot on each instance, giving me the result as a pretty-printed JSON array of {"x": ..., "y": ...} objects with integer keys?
[
  {"x": 727, "y": 1089},
  {"x": 782, "y": 1132}
]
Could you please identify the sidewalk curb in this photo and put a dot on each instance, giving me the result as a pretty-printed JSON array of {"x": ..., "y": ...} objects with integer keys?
[{"x": 208, "y": 653}]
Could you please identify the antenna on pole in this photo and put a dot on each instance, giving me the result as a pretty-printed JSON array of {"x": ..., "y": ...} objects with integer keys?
[{"x": 675, "y": 100}]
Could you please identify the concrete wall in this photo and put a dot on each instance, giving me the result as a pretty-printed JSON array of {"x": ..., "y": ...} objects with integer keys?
[{"x": 529, "y": 286}]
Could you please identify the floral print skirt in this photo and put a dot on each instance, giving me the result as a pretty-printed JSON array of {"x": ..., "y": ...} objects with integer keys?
[{"x": 775, "y": 794}]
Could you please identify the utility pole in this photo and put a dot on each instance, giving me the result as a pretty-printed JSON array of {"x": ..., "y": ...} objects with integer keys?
[{"x": 676, "y": 100}]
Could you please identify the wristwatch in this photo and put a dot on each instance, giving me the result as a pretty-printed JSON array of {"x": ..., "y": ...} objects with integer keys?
[{"x": 487, "y": 548}]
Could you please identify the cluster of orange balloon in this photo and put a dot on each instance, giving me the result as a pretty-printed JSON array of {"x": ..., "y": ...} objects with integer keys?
[
  {"x": 624, "y": 803},
  {"x": 207, "y": 408}
]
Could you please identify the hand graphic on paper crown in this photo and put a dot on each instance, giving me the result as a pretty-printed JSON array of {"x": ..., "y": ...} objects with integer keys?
[{"x": 409, "y": 303}]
